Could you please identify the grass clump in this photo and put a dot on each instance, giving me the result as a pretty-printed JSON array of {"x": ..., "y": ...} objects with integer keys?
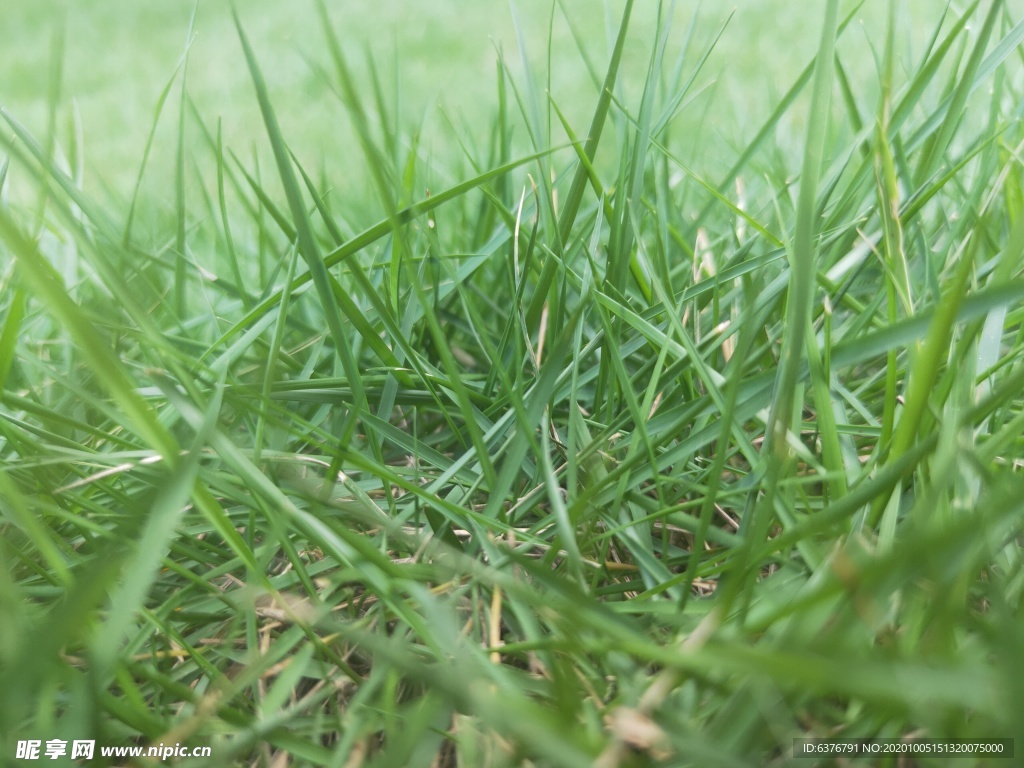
[{"x": 568, "y": 448}]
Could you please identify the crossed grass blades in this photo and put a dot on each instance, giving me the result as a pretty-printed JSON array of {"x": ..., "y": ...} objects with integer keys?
[{"x": 585, "y": 458}]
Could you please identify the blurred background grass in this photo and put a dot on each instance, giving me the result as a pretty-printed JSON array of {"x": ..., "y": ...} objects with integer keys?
[{"x": 118, "y": 54}]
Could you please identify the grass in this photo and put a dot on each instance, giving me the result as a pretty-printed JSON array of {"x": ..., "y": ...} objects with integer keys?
[{"x": 559, "y": 437}]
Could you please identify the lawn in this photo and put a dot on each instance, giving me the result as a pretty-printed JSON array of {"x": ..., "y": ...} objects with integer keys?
[
  {"x": 118, "y": 55},
  {"x": 553, "y": 385}
]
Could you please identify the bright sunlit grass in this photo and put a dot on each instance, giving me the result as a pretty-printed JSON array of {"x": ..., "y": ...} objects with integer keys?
[{"x": 538, "y": 440}]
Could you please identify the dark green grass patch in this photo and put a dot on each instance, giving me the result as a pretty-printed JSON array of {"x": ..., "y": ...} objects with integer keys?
[{"x": 562, "y": 448}]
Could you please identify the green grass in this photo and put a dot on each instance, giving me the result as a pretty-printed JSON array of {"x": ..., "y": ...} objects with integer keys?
[{"x": 656, "y": 411}]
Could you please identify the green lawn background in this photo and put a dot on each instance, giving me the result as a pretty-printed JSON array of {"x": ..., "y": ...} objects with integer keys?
[{"x": 118, "y": 54}]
